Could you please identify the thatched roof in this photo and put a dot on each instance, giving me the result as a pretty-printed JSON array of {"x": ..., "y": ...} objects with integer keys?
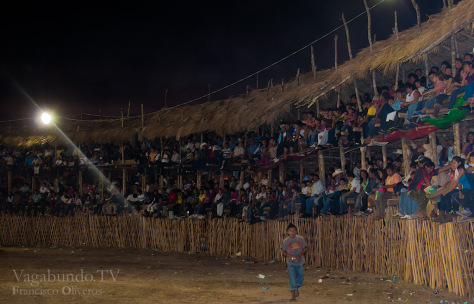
[
  {"x": 412, "y": 45},
  {"x": 267, "y": 106}
]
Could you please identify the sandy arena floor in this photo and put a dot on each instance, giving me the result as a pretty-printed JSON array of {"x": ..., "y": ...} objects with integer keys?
[{"x": 146, "y": 276}]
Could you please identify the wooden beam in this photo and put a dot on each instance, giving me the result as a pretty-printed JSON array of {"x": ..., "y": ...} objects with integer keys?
[
  {"x": 457, "y": 140},
  {"x": 270, "y": 176},
  {"x": 342, "y": 156},
  {"x": 453, "y": 54},
  {"x": 406, "y": 156},
  {"x": 9, "y": 177},
  {"x": 143, "y": 117},
  {"x": 79, "y": 181},
  {"x": 369, "y": 34},
  {"x": 396, "y": 25},
  {"x": 322, "y": 170},
  {"x": 198, "y": 181},
  {"x": 347, "y": 36},
  {"x": 384, "y": 155},
  {"x": 313, "y": 63},
  {"x": 363, "y": 161},
  {"x": 301, "y": 170},
  {"x": 124, "y": 182},
  {"x": 418, "y": 18},
  {"x": 335, "y": 52},
  {"x": 281, "y": 173},
  {"x": 433, "y": 148}
]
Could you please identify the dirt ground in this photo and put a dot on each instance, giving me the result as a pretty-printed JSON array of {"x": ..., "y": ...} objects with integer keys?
[{"x": 147, "y": 276}]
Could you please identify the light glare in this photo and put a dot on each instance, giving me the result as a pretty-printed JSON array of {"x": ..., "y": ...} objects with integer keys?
[{"x": 45, "y": 118}]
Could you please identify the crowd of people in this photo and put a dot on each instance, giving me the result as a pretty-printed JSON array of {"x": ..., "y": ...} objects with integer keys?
[{"x": 366, "y": 191}]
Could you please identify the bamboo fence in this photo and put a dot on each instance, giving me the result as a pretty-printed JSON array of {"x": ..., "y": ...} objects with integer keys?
[{"x": 416, "y": 251}]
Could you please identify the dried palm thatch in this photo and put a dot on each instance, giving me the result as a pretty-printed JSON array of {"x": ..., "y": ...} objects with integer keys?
[
  {"x": 412, "y": 45},
  {"x": 268, "y": 106}
]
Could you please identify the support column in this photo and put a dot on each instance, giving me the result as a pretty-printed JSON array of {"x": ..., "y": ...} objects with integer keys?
[
  {"x": 270, "y": 177},
  {"x": 198, "y": 181},
  {"x": 363, "y": 162},
  {"x": 101, "y": 183},
  {"x": 241, "y": 177},
  {"x": 384, "y": 156},
  {"x": 281, "y": 173},
  {"x": 342, "y": 156},
  {"x": 301, "y": 170},
  {"x": 432, "y": 138},
  {"x": 9, "y": 181},
  {"x": 259, "y": 177},
  {"x": 221, "y": 180},
  {"x": 124, "y": 182},
  {"x": 80, "y": 181},
  {"x": 406, "y": 156},
  {"x": 161, "y": 182},
  {"x": 143, "y": 182},
  {"x": 322, "y": 170},
  {"x": 457, "y": 140},
  {"x": 56, "y": 185}
]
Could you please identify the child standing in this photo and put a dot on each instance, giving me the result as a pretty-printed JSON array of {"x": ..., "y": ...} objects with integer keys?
[{"x": 294, "y": 248}]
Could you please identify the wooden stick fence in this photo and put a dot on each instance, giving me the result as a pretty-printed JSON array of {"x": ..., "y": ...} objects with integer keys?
[{"x": 416, "y": 251}]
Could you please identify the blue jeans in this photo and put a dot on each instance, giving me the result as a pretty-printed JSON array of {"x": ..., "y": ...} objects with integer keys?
[
  {"x": 406, "y": 205},
  {"x": 309, "y": 205},
  {"x": 296, "y": 276},
  {"x": 412, "y": 109},
  {"x": 327, "y": 200},
  {"x": 343, "y": 201},
  {"x": 283, "y": 209},
  {"x": 445, "y": 204}
]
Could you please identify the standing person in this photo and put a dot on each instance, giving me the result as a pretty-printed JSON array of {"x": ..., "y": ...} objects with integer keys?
[{"x": 294, "y": 248}]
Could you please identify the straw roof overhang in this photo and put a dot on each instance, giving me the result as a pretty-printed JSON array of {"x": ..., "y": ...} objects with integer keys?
[
  {"x": 411, "y": 46},
  {"x": 269, "y": 105}
]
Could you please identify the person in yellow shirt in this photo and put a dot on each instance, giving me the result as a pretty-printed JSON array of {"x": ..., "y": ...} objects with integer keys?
[{"x": 391, "y": 181}]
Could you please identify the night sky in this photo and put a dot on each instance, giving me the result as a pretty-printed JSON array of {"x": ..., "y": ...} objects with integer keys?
[{"x": 87, "y": 57}]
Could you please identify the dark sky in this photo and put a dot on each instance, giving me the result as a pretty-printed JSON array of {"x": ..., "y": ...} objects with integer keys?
[{"x": 89, "y": 56}]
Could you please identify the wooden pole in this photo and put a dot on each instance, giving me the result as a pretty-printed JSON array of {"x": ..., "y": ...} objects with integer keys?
[
  {"x": 317, "y": 108},
  {"x": 298, "y": 73},
  {"x": 161, "y": 181},
  {"x": 123, "y": 154},
  {"x": 313, "y": 63},
  {"x": 453, "y": 54},
  {"x": 427, "y": 66},
  {"x": 241, "y": 177},
  {"x": 198, "y": 181},
  {"x": 301, "y": 170},
  {"x": 363, "y": 161},
  {"x": 281, "y": 173},
  {"x": 335, "y": 52},
  {"x": 406, "y": 156},
  {"x": 457, "y": 140},
  {"x": 342, "y": 156},
  {"x": 433, "y": 148},
  {"x": 9, "y": 176},
  {"x": 221, "y": 180},
  {"x": 143, "y": 117},
  {"x": 124, "y": 182},
  {"x": 101, "y": 183},
  {"x": 322, "y": 170},
  {"x": 143, "y": 183},
  {"x": 80, "y": 181},
  {"x": 418, "y": 18},
  {"x": 270, "y": 176},
  {"x": 396, "y": 25},
  {"x": 257, "y": 81},
  {"x": 128, "y": 111},
  {"x": 397, "y": 73},
  {"x": 347, "y": 36},
  {"x": 384, "y": 155}
]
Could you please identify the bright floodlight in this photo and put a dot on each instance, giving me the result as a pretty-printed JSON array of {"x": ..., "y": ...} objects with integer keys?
[{"x": 45, "y": 118}]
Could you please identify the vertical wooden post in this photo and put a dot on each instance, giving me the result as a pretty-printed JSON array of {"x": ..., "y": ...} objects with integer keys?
[
  {"x": 406, "y": 156},
  {"x": 427, "y": 66},
  {"x": 33, "y": 183},
  {"x": 80, "y": 181},
  {"x": 56, "y": 184},
  {"x": 453, "y": 54},
  {"x": 433, "y": 148},
  {"x": 221, "y": 180},
  {"x": 301, "y": 170},
  {"x": 313, "y": 63},
  {"x": 270, "y": 176},
  {"x": 347, "y": 37},
  {"x": 342, "y": 156},
  {"x": 338, "y": 93},
  {"x": 143, "y": 183},
  {"x": 363, "y": 159},
  {"x": 101, "y": 183},
  {"x": 198, "y": 181},
  {"x": 123, "y": 154},
  {"x": 281, "y": 173},
  {"x": 418, "y": 18},
  {"x": 457, "y": 140},
  {"x": 241, "y": 177},
  {"x": 161, "y": 182},
  {"x": 322, "y": 170},
  {"x": 395, "y": 30},
  {"x": 143, "y": 117},
  {"x": 259, "y": 177},
  {"x": 397, "y": 71},
  {"x": 124, "y": 182},
  {"x": 9, "y": 176},
  {"x": 384, "y": 155}
]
